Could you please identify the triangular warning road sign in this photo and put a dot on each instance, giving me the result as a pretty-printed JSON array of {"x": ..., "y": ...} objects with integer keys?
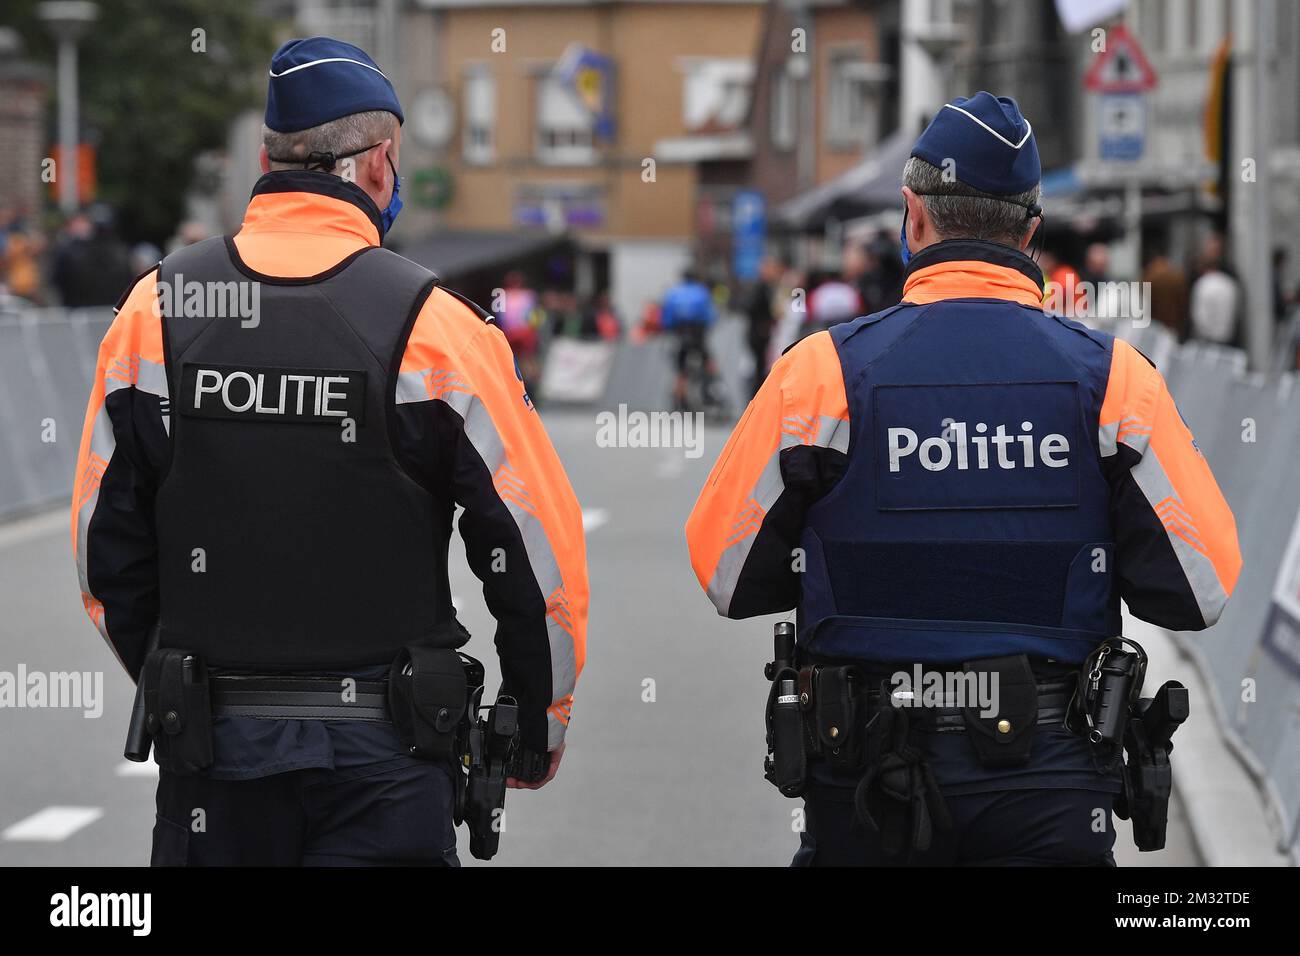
[{"x": 1122, "y": 68}]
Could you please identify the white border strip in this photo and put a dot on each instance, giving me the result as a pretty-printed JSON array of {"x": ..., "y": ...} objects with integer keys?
[
  {"x": 1029, "y": 130},
  {"x": 329, "y": 59}
]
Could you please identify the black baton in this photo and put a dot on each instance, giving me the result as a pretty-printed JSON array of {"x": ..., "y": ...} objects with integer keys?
[{"x": 138, "y": 740}]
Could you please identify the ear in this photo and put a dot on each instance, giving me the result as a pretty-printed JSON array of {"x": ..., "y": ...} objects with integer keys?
[
  {"x": 374, "y": 167},
  {"x": 1029, "y": 233},
  {"x": 264, "y": 159},
  {"x": 918, "y": 220}
]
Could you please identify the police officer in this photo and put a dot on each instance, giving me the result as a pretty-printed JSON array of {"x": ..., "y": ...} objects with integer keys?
[
  {"x": 281, "y": 427},
  {"x": 961, "y": 485}
]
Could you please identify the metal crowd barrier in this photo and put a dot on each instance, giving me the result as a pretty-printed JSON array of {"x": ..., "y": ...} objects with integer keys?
[
  {"x": 47, "y": 360},
  {"x": 1249, "y": 430}
]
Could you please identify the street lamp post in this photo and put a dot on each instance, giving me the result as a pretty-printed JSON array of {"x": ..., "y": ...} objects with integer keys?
[{"x": 67, "y": 21}]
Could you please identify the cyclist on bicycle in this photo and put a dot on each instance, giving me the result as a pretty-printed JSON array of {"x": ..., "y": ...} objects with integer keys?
[{"x": 688, "y": 313}]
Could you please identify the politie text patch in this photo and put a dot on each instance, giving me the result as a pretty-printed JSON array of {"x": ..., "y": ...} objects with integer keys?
[
  {"x": 995, "y": 445},
  {"x": 267, "y": 394}
]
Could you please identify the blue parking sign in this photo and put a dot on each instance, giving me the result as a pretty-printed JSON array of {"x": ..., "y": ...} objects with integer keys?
[{"x": 1121, "y": 125}]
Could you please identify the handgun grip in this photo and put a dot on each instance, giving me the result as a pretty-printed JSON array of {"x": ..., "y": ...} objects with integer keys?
[{"x": 1165, "y": 712}]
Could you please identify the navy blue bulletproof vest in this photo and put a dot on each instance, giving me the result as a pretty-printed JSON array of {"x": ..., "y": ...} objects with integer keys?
[{"x": 973, "y": 519}]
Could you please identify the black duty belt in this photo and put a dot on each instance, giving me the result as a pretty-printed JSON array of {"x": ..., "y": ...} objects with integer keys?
[
  {"x": 299, "y": 698},
  {"x": 1055, "y": 691},
  {"x": 1053, "y": 700}
]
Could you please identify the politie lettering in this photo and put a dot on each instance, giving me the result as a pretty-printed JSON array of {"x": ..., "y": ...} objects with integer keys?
[
  {"x": 939, "y": 452},
  {"x": 310, "y": 393}
]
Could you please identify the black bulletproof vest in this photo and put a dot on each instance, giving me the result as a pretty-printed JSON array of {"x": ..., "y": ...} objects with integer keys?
[{"x": 289, "y": 535}]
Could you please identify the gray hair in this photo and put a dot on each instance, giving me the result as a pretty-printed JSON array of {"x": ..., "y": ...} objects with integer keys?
[
  {"x": 962, "y": 212},
  {"x": 343, "y": 135}
]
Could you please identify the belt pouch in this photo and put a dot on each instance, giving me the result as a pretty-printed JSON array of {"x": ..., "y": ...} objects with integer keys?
[
  {"x": 838, "y": 697},
  {"x": 427, "y": 693},
  {"x": 178, "y": 710},
  {"x": 1004, "y": 738}
]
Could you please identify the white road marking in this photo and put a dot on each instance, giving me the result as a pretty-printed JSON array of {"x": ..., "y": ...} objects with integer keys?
[
  {"x": 53, "y": 824},
  {"x": 593, "y": 518},
  {"x": 129, "y": 768}
]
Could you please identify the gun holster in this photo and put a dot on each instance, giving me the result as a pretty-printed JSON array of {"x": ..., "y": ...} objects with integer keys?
[
  {"x": 1148, "y": 775},
  {"x": 178, "y": 710},
  {"x": 491, "y": 748}
]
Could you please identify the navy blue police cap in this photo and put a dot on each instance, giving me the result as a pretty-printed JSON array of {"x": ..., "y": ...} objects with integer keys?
[
  {"x": 991, "y": 144},
  {"x": 320, "y": 79}
]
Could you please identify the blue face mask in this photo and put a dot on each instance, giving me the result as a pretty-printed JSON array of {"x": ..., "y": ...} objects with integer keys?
[
  {"x": 388, "y": 215},
  {"x": 904, "y": 252}
]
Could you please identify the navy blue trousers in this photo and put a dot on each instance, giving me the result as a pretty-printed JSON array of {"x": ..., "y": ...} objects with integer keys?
[
  {"x": 1055, "y": 810},
  {"x": 1024, "y": 827},
  {"x": 395, "y": 813}
]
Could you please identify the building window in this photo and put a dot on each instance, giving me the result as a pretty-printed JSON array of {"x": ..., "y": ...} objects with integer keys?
[
  {"x": 563, "y": 126},
  {"x": 480, "y": 108},
  {"x": 715, "y": 92},
  {"x": 782, "y": 110},
  {"x": 854, "y": 101}
]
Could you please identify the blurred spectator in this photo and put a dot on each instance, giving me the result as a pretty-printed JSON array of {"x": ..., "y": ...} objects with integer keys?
[
  {"x": 144, "y": 255},
  {"x": 1214, "y": 297},
  {"x": 1168, "y": 292},
  {"x": 791, "y": 308},
  {"x": 519, "y": 317},
  {"x": 563, "y": 314},
  {"x": 188, "y": 233},
  {"x": 854, "y": 264},
  {"x": 1096, "y": 263},
  {"x": 1063, "y": 292},
  {"x": 603, "y": 318},
  {"x": 650, "y": 324},
  {"x": 91, "y": 265},
  {"x": 761, "y": 317},
  {"x": 1106, "y": 304},
  {"x": 1282, "y": 302},
  {"x": 831, "y": 302},
  {"x": 880, "y": 284},
  {"x": 20, "y": 272},
  {"x": 1287, "y": 320}
]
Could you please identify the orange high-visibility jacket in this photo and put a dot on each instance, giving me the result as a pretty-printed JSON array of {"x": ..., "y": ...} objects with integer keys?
[
  {"x": 454, "y": 427},
  {"x": 964, "y": 476}
]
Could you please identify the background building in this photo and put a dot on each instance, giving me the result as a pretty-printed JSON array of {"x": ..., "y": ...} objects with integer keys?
[
  {"x": 517, "y": 154},
  {"x": 23, "y": 92}
]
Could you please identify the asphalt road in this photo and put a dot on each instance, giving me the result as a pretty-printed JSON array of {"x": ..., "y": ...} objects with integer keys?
[{"x": 663, "y": 763}]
